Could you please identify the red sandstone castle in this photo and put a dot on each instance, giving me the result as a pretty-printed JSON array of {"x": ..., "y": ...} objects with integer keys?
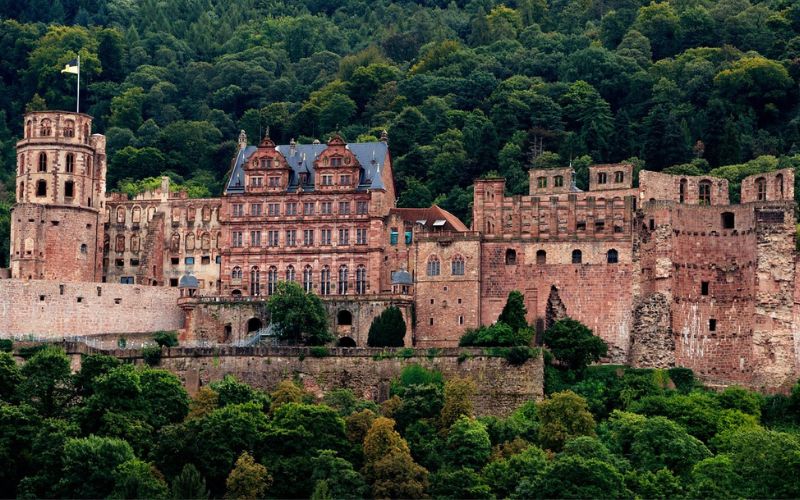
[{"x": 668, "y": 273}]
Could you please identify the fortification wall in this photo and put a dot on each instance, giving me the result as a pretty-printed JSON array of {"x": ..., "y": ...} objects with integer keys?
[
  {"x": 54, "y": 310},
  {"x": 501, "y": 387}
]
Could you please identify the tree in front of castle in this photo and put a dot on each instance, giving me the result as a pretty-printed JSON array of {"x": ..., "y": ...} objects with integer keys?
[
  {"x": 297, "y": 316},
  {"x": 388, "y": 329}
]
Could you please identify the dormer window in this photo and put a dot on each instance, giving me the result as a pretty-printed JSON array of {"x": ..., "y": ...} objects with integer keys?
[
  {"x": 266, "y": 162},
  {"x": 303, "y": 178},
  {"x": 336, "y": 162}
]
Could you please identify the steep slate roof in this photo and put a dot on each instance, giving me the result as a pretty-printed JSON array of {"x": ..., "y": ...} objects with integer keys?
[{"x": 300, "y": 158}]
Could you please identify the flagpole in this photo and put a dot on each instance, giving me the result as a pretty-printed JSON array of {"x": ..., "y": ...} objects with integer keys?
[{"x": 78, "y": 100}]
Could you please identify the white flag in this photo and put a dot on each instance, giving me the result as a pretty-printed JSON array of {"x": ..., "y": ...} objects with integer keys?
[{"x": 72, "y": 67}]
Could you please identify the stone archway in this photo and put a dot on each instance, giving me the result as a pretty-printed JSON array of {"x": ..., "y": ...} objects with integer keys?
[
  {"x": 346, "y": 342},
  {"x": 344, "y": 318},
  {"x": 254, "y": 324}
]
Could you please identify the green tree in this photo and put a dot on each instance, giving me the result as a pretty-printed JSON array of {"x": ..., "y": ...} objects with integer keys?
[
  {"x": 126, "y": 109},
  {"x": 574, "y": 345},
  {"x": 458, "y": 395},
  {"x": 388, "y": 329},
  {"x": 10, "y": 377},
  {"x": 189, "y": 484},
  {"x": 298, "y": 316},
  {"x": 231, "y": 391},
  {"x": 89, "y": 463},
  {"x": 47, "y": 383},
  {"x": 248, "y": 479},
  {"x": 514, "y": 312},
  {"x": 166, "y": 339},
  {"x": 138, "y": 479},
  {"x": 662, "y": 443},
  {"x": 562, "y": 416},
  {"x": 468, "y": 444},
  {"x": 505, "y": 474},
  {"x": 389, "y": 468},
  {"x": 338, "y": 475},
  {"x": 577, "y": 477}
]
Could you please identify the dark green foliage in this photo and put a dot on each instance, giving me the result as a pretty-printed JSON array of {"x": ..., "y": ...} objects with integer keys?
[
  {"x": 497, "y": 334},
  {"x": 47, "y": 383},
  {"x": 662, "y": 443},
  {"x": 231, "y": 391},
  {"x": 514, "y": 311},
  {"x": 468, "y": 444},
  {"x": 6, "y": 345},
  {"x": 298, "y": 317},
  {"x": 189, "y": 484},
  {"x": 10, "y": 377},
  {"x": 88, "y": 466},
  {"x": 319, "y": 352},
  {"x": 388, "y": 329},
  {"x": 683, "y": 378},
  {"x": 573, "y": 344},
  {"x": 166, "y": 339},
  {"x": 577, "y": 477},
  {"x": 151, "y": 355}
]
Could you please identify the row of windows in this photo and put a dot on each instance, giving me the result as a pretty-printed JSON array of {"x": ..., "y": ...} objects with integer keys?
[
  {"x": 290, "y": 274},
  {"x": 292, "y": 237},
  {"x": 456, "y": 266},
  {"x": 291, "y": 208},
  {"x": 43, "y": 163},
  {"x": 276, "y": 181},
  {"x": 612, "y": 257},
  {"x": 41, "y": 189},
  {"x": 619, "y": 176},
  {"x": 46, "y": 129},
  {"x": 136, "y": 214}
]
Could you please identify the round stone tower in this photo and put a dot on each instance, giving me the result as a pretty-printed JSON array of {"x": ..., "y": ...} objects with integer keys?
[{"x": 56, "y": 224}]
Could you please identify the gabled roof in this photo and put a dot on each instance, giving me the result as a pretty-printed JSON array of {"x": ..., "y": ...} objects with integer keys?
[
  {"x": 430, "y": 218},
  {"x": 300, "y": 158}
]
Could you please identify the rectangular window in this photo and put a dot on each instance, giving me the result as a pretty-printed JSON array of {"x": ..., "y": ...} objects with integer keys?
[
  {"x": 409, "y": 237},
  {"x": 218, "y": 259},
  {"x": 599, "y": 226},
  {"x": 325, "y": 236},
  {"x": 256, "y": 181},
  {"x": 126, "y": 280},
  {"x": 602, "y": 177},
  {"x": 541, "y": 182},
  {"x": 344, "y": 236},
  {"x": 558, "y": 181},
  {"x": 393, "y": 236},
  {"x": 205, "y": 260},
  {"x": 336, "y": 162},
  {"x": 712, "y": 325},
  {"x": 255, "y": 238},
  {"x": 255, "y": 209},
  {"x": 119, "y": 262},
  {"x": 274, "y": 208},
  {"x": 308, "y": 237},
  {"x": 361, "y": 236},
  {"x": 135, "y": 262},
  {"x": 291, "y": 208},
  {"x": 345, "y": 180},
  {"x": 325, "y": 207},
  {"x": 236, "y": 239},
  {"x": 308, "y": 208},
  {"x": 173, "y": 282},
  {"x": 273, "y": 238},
  {"x": 362, "y": 207},
  {"x": 327, "y": 180},
  {"x": 189, "y": 261},
  {"x": 704, "y": 288},
  {"x": 238, "y": 209},
  {"x": 291, "y": 237},
  {"x": 274, "y": 182},
  {"x": 175, "y": 261},
  {"x": 344, "y": 207}
]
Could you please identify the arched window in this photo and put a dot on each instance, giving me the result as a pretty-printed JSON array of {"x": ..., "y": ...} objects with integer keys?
[
  {"x": 343, "y": 280},
  {"x": 457, "y": 266},
  {"x": 344, "y": 318},
  {"x": 761, "y": 189},
  {"x": 558, "y": 181},
  {"x": 236, "y": 273},
  {"x": 325, "y": 281},
  {"x": 45, "y": 128},
  {"x": 189, "y": 242},
  {"x": 151, "y": 211},
  {"x": 70, "y": 164},
  {"x": 121, "y": 215},
  {"x": 69, "y": 189},
  {"x": 577, "y": 257},
  {"x": 219, "y": 240},
  {"x": 205, "y": 241},
  {"x": 433, "y": 266},
  {"x": 308, "y": 279},
  {"x": 135, "y": 243},
  {"x": 41, "y": 188},
  {"x": 21, "y": 191},
  {"x": 255, "y": 281},
  {"x": 272, "y": 279},
  {"x": 612, "y": 257},
  {"x": 206, "y": 213},
  {"x": 136, "y": 215},
  {"x": 84, "y": 248},
  {"x": 190, "y": 210},
  {"x": 176, "y": 214},
  {"x": 28, "y": 129},
  {"x": 86, "y": 133},
  {"x": 69, "y": 128},
  {"x": 704, "y": 192},
  {"x": 541, "y": 258},
  {"x": 89, "y": 165},
  {"x": 779, "y": 185},
  {"x": 619, "y": 176},
  {"x": 511, "y": 257},
  {"x": 290, "y": 273},
  {"x": 119, "y": 244},
  {"x": 42, "y": 162},
  {"x": 361, "y": 279},
  {"x": 175, "y": 243}
]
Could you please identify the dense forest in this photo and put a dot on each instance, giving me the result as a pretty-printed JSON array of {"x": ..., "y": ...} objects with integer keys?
[
  {"x": 465, "y": 88},
  {"x": 123, "y": 431}
]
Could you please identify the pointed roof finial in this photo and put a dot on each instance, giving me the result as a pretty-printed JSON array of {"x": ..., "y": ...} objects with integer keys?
[
  {"x": 384, "y": 136},
  {"x": 242, "y": 139}
]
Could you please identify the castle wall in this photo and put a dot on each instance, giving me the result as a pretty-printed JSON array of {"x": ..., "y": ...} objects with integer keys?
[
  {"x": 501, "y": 387},
  {"x": 666, "y": 187},
  {"x": 54, "y": 310}
]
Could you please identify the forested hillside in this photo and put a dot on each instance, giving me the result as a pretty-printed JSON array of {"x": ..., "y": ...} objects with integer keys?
[{"x": 463, "y": 87}]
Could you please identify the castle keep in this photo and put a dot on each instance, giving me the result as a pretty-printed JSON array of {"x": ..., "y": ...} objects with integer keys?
[{"x": 665, "y": 269}]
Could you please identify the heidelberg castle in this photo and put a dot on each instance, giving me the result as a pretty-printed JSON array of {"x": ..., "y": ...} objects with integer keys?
[{"x": 669, "y": 273}]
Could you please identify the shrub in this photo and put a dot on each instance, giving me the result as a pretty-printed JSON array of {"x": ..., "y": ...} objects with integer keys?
[
  {"x": 319, "y": 352},
  {"x": 166, "y": 339},
  {"x": 518, "y": 355},
  {"x": 6, "y": 345},
  {"x": 683, "y": 378},
  {"x": 151, "y": 355},
  {"x": 497, "y": 335},
  {"x": 574, "y": 345},
  {"x": 388, "y": 329}
]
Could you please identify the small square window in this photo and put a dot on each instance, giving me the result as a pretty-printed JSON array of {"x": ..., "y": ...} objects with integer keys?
[
  {"x": 205, "y": 259},
  {"x": 80, "y": 299},
  {"x": 41, "y": 298},
  {"x": 189, "y": 261},
  {"x": 118, "y": 301},
  {"x": 175, "y": 261},
  {"x": 119, "y": 262},
  {"x": 459, "y": 301},
  {"x": 135, "y": 262},
  {"x": 218, "y": 259},
  {"x": 173, "y": 282}
]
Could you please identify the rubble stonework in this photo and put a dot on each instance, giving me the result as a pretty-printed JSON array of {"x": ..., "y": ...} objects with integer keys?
[{"x": 667, "y": 272}]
